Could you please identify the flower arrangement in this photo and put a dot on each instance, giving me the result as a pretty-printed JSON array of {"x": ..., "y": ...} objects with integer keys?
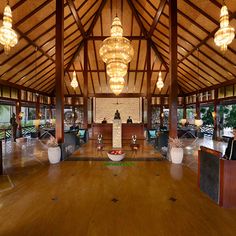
[
  {"x": 175, "y": 143},
  {"x": 116, "y": 152},
  {"x": 52, "y": 142}
]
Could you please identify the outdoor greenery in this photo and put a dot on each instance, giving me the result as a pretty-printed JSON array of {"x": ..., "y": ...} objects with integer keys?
[
  {"x": 230, "y": 117},
  {"x": 206, "y": 115}
]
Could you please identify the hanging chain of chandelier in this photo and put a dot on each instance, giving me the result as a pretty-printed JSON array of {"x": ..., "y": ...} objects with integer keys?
[
  {"x": 116, "y": 51},
  {"x": 8, "y": 37}
]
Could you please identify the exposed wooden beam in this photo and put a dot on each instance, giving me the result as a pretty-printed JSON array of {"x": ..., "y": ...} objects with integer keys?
[
  {"x": 159, "y": 56},
  {"x": 157, "y": 17},
  {"x": 76, "y": 17},
  {"x": 13, "y": 85},
  {"x": 130, "y": 70},
  {"x": 88, "y": 33},
  {"x": 60, "y": 71},
  {"x": 226, "y": 83},
  {"x": 101, "y": 38},
  {"x": 173, "y": 95},
  {"x": 112, "y": 95}
]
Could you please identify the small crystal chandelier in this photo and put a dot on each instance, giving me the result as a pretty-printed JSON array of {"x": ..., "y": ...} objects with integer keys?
[
  {"x": 116, "y": 51},
  {"x": 117, "y": 84},
  {"x": 160, "y": 83},
  {"x": 225, "y": 35},
  {"x": 74, "y": 83},
  {"x": 8, "y": 37}
]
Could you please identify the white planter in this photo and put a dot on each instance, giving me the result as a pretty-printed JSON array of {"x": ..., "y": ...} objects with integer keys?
[
  {"x": 54, "y": 154},
  {"x": 176, "y": 155}
]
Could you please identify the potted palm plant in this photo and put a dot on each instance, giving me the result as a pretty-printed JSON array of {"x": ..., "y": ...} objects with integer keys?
[
  {"x": 54, "y": 151},
  {"x": 176, "y": 150}
]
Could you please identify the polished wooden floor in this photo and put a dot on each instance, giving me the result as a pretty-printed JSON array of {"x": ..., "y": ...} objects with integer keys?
[
  {"x": 99, "y": 198},
  {"x": 89, "y": 151}
]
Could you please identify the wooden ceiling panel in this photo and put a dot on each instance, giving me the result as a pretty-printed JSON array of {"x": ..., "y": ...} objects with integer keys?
[
  {"x": 9, "y": 61},
  {"x": 35, "y": 23},
  {"x": 189, "y": 10}
]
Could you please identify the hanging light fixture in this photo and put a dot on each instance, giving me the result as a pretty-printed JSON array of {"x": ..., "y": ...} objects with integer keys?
[
  {"x": 225, "y": 35},
  {"x": 116, "y": 51},
  {"x": 160, "y": 83},
  {"x": 74, "y": 82},
  {"x": 117, "y": 84},
  {"x": 8, "y": 37}
]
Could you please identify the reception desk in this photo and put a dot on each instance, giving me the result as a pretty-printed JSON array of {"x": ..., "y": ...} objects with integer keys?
[
  {"x": 127, "y": 130},
  {"x": 216, "y": 177}
]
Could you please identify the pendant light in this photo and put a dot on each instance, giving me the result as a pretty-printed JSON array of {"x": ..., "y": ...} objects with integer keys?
[
  {"x": 74, "y": 82},
  {"x": 225, "y": 35},
  {"x": 160, "y": 83},
  {"x": 8, "y": 37}
]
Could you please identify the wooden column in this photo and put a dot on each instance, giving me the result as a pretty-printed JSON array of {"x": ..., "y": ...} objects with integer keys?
[
  {"x": 37, "y": 109},
  {"x": 59, "y": 71},
  {"x": 215, "y": 117},
  {"x": 18, "y": 111},
  {"x": 161, "y": 111},
  {"x": 184, "y": 108},
  {"x": 73, "y": 110},
  {"x": 173, "y": 69},
  {"x": 1, "y": 165},
  {"x": 149, "y": 96},
  {"x": 85, "y": 97},
  {"x": 197, "y": 107}
]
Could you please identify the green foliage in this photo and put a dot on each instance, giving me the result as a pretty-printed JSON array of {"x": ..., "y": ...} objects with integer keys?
[
  {"x": 230, "y": 118},
  {"x": 206, "y": 115}
]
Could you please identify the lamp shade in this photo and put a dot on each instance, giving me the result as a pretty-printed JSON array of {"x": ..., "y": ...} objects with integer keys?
[{"x": 198, "y": 122}]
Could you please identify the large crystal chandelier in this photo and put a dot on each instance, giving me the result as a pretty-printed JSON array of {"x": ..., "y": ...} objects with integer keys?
[
  {"x": 116, "y": 51},
  {"x": 74, "y": 83},
  {"x": 117, "y": 84},
  {"x": 160, "y": 83},
  {"x": 225, "y": 35},
  {"x": 8, "y": 37}
]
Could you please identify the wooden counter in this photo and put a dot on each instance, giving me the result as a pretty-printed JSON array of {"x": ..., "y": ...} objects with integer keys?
[
  {"x": 127, "y": 130},
  {"x": 216, "y": 177}
]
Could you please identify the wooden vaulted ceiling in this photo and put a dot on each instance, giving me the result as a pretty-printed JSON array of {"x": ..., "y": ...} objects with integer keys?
[{"x": 201, "y": 65}]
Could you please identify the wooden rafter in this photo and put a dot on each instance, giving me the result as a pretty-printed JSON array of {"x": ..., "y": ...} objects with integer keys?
[
  {"x": 76, "y": 17},
  {"x": 88, "y": 33},
  {"x": 157, "y": 17},
  {"x": 144, "y": 31}
]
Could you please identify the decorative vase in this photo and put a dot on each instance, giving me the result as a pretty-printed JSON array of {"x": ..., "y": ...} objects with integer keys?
[
  {"x": 54, "y": 154},
  {"x": 176, "y": 155}
]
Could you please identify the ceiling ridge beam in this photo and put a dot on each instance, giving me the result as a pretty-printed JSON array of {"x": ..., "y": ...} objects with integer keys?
[{"x": 157, "y": 17}]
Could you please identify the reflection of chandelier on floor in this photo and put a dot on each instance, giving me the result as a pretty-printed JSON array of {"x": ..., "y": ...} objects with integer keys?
[
  {"x": 225, "y": 35},
  {"x": 116, "y": 51},
  {"x": 8, "y": 37}
]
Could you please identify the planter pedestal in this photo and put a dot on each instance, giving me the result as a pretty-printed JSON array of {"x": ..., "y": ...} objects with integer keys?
[
  {"x": 54, "y": 154},
  {"x": 176, "y": 155}
]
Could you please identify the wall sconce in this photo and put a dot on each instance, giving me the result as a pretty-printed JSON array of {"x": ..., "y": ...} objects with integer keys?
[
  {"x": 213, "y": 114},
  {"x": 162, "y": 115},
  {"x": 20, "y": 115}
]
